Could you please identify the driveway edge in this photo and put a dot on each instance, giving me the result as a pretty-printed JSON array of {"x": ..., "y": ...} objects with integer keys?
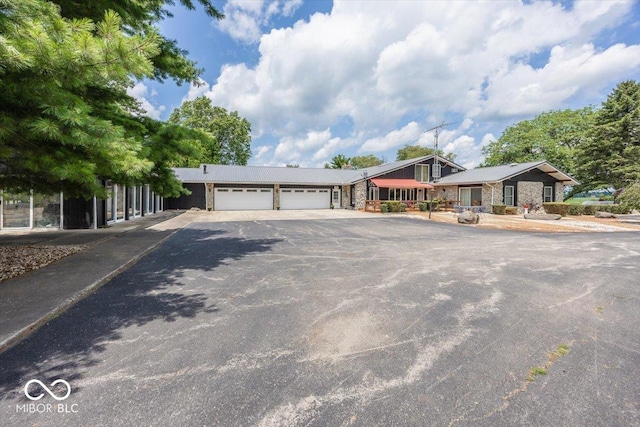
[{"x": 23, "y": 333}]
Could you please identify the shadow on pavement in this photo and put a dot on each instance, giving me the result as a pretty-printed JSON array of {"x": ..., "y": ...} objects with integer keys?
[{"x": 147, "y": 292}]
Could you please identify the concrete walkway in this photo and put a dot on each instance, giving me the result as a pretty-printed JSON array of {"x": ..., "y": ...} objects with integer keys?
[{"x": 30, "y": 300}]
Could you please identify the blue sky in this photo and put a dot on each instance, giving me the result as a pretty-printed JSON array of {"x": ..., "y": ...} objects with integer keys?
[{"x": 318, "y": 78}]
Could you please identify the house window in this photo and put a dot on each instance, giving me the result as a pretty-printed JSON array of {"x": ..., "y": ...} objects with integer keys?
[
  {"x": 422, "y": 173},
  {"x": 471, "y": 196},
  {"x": 548, "y": 194},
  {"x": 508, "y": 195},
  {"x": 437, "y": 171},
  {"x": 374, "y": 193}
]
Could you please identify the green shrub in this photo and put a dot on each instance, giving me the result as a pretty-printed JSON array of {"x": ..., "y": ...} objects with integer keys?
[
  {"x": 511, "y": 210},
  {"x": 423, "y": 206},
  {"x": 614, "y": 209},
  {"x": 499, "y": 209},
  {"x": 384, "y": 207},
  {"x": 395, "y": 206},
  {"x": 577, "y": 209},
  {"x": 557, "y": 208},
  {"x": 630, "y": 197},
  {"x": 589, "y": 209}
]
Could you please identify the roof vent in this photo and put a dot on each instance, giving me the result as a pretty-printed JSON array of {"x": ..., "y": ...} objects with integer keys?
[
  {"x": 204, "y": 168},
  {"x": 513, "y": 164}
]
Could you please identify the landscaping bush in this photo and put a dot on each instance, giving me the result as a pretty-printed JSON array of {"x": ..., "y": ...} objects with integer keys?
[
  {"x": 396, "y": 206},
  {"x": 557, "y": 208},
  {"x": 630, "y": 197},
  {"x": 499, "y": 209},
  {"x": 589, "y": 209},
  {"x": 384, "y": 208},
  {"x": 577, "y": 209},
  {"x": 511, "y": 210},
  {"x": 615, "y": 209},
  {"x": 423, "y": 206}
]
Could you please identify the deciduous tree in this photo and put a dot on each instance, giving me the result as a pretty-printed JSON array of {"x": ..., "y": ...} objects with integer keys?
[
  {"x": 226, "y": 137},
  {"x": 412, "y": 151},
  {"x": 551, "y": 136},
  {"x": 359, "y": 162}
]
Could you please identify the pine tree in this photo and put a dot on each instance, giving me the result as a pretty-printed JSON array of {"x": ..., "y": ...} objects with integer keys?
[{"x": 611, "y": 156}]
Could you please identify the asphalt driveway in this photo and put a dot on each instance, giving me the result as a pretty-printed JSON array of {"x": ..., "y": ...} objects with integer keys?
[{"x": 370, "y": 321}]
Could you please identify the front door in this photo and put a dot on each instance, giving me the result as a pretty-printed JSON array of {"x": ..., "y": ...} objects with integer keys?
[{"x": 335, "y": 198}]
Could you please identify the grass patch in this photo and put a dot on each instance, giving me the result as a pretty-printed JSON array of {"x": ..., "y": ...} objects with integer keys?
[
  {"x": 536, "y": 371},
  {"x": 599, "y": 310}
]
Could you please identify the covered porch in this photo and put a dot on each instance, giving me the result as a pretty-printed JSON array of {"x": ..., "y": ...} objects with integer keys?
[{"x": 410, "y": 192}]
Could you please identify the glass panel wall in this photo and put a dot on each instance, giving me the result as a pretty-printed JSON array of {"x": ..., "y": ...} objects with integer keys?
[
  {"x": 110, "y": 197},
  {"x": 16, "y": 210},
  {"x": 46, "y": 211},
  {"x": 120, "y": 193}
]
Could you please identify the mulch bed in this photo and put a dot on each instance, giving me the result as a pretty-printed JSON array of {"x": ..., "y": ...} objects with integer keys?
[{"x": 17, "y": 260}]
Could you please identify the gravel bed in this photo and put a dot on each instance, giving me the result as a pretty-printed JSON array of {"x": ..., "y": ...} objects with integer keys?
[{"x": 17, "y": 260}]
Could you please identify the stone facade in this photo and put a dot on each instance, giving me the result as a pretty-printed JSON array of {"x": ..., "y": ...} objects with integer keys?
[
  {"x": 530, "y": 193},
  {"x": 559, "y": 192},
  {"x": 209, "y": 196},
  {"x": 276, "y": 196},
  {"x": 346, "y": 197},
  {"x": 361, "y": 194},
  {"x": 448, "y": 192},
  {"x": 492, "y": 194}
]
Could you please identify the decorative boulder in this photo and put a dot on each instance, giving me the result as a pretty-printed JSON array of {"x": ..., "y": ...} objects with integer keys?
[
  {"x": 543, "y": 217},
  {"x": 602, "y": 214},
  {"x": 468, "y": 217}
]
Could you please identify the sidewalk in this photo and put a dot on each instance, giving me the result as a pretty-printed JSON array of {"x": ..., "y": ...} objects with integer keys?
[{"x": 30, "y": 300}]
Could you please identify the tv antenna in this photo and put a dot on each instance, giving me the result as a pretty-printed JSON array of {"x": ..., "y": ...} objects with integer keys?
[{"x": 437, "y": 173}]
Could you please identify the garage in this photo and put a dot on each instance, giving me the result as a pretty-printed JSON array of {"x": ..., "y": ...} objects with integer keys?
[
  {"x": 241, "y": 199},
  {"x": 305, "y": 198}
]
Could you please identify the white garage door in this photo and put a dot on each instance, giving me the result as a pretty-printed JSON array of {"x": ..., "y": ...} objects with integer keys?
[
  {"x": 243, "y": 199},
  {"x": 305, "y": 198}
]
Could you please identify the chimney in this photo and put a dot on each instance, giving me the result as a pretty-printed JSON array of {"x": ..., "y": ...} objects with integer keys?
[{"x": 204, "y": 168}]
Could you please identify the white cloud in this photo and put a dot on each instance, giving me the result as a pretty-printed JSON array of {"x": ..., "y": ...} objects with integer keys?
[
  {"x": 393, "y": 139},
  {"x": 197, "y": 90},
  {"x": 383, "y": 65},
  {"x": 246, "y": 19},
  {"x": 140, "y": 93}
]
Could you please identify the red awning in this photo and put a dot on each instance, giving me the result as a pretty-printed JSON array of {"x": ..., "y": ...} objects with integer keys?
[{"x": 399, "y": 183}]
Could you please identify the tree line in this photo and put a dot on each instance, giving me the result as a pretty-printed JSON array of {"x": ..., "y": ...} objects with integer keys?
[{"x": 598, "y": 146}]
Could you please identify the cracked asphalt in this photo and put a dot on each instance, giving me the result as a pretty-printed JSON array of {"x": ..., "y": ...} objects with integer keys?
[{"x": 365, "y": 322}]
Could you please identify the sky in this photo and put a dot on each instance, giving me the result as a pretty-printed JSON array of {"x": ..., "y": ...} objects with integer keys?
[{"x": 317, "y": 78}]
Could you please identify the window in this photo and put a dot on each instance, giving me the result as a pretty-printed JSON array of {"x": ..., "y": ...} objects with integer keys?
[
  {"x": 508, "y": 195},
  {"x": 252, "y": 191},
  {"x": 374, "y": 193},
  {"x": 422, "y": 173},
  {"x": 265, "y": 191},
  {"x": 237, "y": 190},
  {"x": 470, "y": 196},
  {"x": 437, "y": 170},
  {"x": 548, "y": 194}
]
